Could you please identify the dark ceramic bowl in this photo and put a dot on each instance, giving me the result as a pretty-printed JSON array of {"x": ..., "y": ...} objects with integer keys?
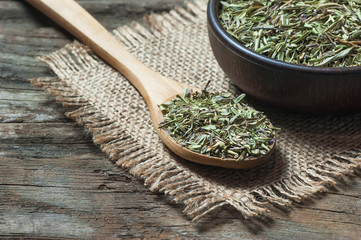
[{"x": 281, "y": 84}]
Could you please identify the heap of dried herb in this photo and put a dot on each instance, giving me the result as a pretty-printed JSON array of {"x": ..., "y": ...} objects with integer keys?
[
  {"x": 314, "y": 32},
  {"x": 217, "y": 125}
]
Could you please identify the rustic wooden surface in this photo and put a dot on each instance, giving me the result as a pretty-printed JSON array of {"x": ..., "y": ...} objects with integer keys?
[{"x": 55, "y": 183}]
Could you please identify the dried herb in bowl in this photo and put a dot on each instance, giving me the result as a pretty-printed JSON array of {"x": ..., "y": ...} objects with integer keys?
[
  {"x": 314, "y": 33},
  {"x": 218, "y": 125}
]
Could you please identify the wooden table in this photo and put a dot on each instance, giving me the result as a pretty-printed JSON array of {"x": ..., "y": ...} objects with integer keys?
[{"x": 55, "y": 183}]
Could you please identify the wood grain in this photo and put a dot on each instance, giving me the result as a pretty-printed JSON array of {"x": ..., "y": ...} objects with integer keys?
[{"x": 55, "y": 183}]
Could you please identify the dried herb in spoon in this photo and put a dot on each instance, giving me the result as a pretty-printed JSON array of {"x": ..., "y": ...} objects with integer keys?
[
  {"x": 217, "y": 125},
  {"x": 314, "y": 32}
]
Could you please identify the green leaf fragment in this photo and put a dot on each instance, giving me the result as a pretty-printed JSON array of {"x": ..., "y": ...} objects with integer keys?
[{"x": 335, "y": 57}]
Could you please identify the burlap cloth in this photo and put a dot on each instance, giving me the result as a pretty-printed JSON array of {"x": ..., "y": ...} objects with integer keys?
[{"x": 312, "y": 152}]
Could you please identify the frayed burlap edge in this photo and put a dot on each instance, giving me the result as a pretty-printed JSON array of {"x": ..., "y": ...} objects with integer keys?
[{"x": 168, "y": 177}]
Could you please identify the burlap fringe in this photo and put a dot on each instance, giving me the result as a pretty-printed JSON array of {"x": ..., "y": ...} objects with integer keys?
[{"x": 168, "y": 178}]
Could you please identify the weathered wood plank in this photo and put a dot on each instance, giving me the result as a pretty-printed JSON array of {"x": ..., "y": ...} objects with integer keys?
[{"x": 55, "y": 183}]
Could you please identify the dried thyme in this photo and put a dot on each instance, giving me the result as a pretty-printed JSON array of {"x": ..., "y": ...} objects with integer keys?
[
  {"x": 217, "y": 125},
  {"x": 314, "y": 33}
]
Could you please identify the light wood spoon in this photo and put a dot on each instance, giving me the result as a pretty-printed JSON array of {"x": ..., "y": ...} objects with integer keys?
[{"x": 155, "y": 88}]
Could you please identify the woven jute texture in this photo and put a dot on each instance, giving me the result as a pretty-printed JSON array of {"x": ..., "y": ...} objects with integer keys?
[{"x": 312, "y": 152}]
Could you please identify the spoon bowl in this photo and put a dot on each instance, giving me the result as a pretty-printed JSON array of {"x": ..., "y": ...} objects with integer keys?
[{"x": 155, "y": 88}]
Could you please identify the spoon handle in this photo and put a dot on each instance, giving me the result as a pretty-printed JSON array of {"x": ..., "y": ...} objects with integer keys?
[{"x": 75, "y": 19}]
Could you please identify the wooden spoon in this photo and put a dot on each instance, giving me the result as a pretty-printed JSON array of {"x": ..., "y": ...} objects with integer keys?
[{"x": 155, "y": 88}]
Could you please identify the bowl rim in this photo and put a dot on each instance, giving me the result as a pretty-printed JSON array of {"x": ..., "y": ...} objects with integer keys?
[{"x": 260, "y": 59}]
